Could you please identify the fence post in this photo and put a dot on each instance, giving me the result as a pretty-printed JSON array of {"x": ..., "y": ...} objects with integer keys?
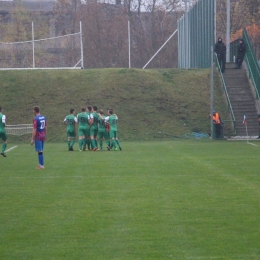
[
  {"x": 211, "y": 91},
  {"x": 33, "y": 45},
  {"x": 228, "y": 32},
  {"x": 81, "y": 46},
  {"x": 129, "y": 45}
]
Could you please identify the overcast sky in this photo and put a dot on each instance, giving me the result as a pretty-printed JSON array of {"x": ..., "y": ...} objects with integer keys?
[{"x": 40, "y": 1}]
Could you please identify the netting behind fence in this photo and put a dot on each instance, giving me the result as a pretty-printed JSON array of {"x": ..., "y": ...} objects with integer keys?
[
  {"x": 56, "y": 52},
  {"x": 19, "y": 129}
]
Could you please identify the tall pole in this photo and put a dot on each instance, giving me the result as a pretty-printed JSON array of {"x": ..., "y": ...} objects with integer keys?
[
  {"x": 160, "y": 49},
  {"x": 186, "y": 35},
  {"x": 215, "y": 21},
  {"x": 33, "y": 45},
  {"x": 228, "y": 32},
  {"x": 81, "y": 46},
  {"x": 129, "y": 45},
  {"x": 211, "y": 91}
]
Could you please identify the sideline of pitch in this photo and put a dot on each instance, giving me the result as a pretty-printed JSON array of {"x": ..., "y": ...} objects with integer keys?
[
  {"x": 11, "y": 148},
  {"x": 245, "y": 138},
  {"x": 252, "y": 144}
]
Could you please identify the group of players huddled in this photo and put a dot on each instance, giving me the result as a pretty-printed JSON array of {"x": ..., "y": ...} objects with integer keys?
[{"x": 93, "y": 128}]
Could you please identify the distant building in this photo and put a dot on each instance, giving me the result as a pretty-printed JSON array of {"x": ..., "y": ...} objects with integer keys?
[
  {"x": 32, "y": 5},
  {"x": 37, "y": 7}
]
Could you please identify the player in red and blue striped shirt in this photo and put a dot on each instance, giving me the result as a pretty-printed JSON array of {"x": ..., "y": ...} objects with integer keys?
[{"x": 39, "y": 135}]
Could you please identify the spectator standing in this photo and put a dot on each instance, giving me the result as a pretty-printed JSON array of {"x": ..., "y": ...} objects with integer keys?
[
  {"x": 241, "y": 51},
  {"x": 220, "y": 50},
  {"x": 217, "y": 122}
]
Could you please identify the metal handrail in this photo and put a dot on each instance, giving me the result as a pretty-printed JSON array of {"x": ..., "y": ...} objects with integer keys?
[
  {"x": 252, "y": 64},
  {"x": 233, "y": 49},
  {"x": 252, "y": 77},
  {"x": 227, "y": 96}
]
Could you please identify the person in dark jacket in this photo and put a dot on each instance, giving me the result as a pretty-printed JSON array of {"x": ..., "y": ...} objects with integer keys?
[
  {"x": 220, "y": 50},
  {"x": 241, "y": 50}
]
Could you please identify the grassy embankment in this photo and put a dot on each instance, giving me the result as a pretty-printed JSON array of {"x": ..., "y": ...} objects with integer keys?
[{"x": 147, "y": 102}]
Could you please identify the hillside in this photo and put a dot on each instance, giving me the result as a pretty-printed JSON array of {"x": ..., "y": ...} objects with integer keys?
[{"x": 147, "y": 102}]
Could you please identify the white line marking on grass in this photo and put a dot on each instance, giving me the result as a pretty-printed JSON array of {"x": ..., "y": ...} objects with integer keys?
[
  {"x": 46, "y": 177},
  {"x": 253, "y": 144},
  {"x": 219, "y": 257},
  {"x": 60, "y": 176},
  {"x": 8, "y": 150}
]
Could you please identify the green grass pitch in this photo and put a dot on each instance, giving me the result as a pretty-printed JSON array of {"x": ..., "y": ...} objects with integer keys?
[{"x": 184, "y": 199}]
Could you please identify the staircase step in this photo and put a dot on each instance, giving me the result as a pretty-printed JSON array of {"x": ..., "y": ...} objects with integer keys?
[
  {"x": 242, "y": 100},
  {"x": 249, "y": 125},
  {"x": 240, "y": 85},
  {"x": 237, "y": 84},
  {"x": 244, "y": 107},
  {"x": 241, "y": 91},
  {"x": 250, "y": 105},
  {"x": 249, "y": 114},
  {"x": 233, "y": 74}
]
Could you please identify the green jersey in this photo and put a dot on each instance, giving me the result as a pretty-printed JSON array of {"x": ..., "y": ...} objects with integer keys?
[
  {"x": 90, "y": 116},
  {"x": 3, "y": 135},
  {"x": 112, "y": 120},
  {"x": 83, "y": 119},
  {"x": 101, "y": 124},
  {"x": 2, "y": 123},
  {"x": 95, "y": 120},
  {"x": 70, "y": 120}
]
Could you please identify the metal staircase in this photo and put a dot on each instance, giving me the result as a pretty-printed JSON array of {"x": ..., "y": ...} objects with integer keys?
[{"x": 242, "y": 100}]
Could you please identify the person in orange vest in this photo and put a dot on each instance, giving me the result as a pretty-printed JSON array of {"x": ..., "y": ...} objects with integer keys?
[{"x": 217, "y": 122}]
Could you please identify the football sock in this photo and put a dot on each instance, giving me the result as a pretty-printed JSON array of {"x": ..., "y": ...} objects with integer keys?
[
  {"x": 4, "y": 147},
  {"x": 80, "y": 144},
  {"x": 118, "y": 143},
  {"x": 69, "y": 144},
  {"x": 41, "y": 158},
  {"x": 113, "y": 143},
  {"x": 84, "y": 142},
  {"x": 72, "y": 142},
  {"x": 93, "y": 143},
  {"x": 88, "y": 143},
  {"x": 108, "y": 143},
  {"x": 101, "y": 144}
]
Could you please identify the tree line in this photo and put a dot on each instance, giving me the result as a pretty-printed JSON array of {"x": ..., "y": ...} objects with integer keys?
[
  {"x": 105, "y": 27},
  {"x": 243, "y": 14}
]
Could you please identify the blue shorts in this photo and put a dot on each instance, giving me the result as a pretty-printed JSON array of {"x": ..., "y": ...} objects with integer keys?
[{"x": 39, "y": 145}]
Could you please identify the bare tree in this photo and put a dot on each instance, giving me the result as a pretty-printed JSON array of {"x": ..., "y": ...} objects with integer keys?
[
  {"x": 243, "y": 13},
  {"x": 105, "y": 30},
  {"x": 66, "y": 15}
]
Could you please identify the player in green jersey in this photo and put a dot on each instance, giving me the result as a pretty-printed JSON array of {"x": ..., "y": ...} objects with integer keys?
[
  {"x": 95, "y": 123},
  {"x": 82, "y": 128},
  {"x": 91, "y": 129},
  {"x": 71, "y": 120},
  {"x": 3, "y": 132},
  {"x": 102, "y": 131},
  {"x": 111, "y": 119}
]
